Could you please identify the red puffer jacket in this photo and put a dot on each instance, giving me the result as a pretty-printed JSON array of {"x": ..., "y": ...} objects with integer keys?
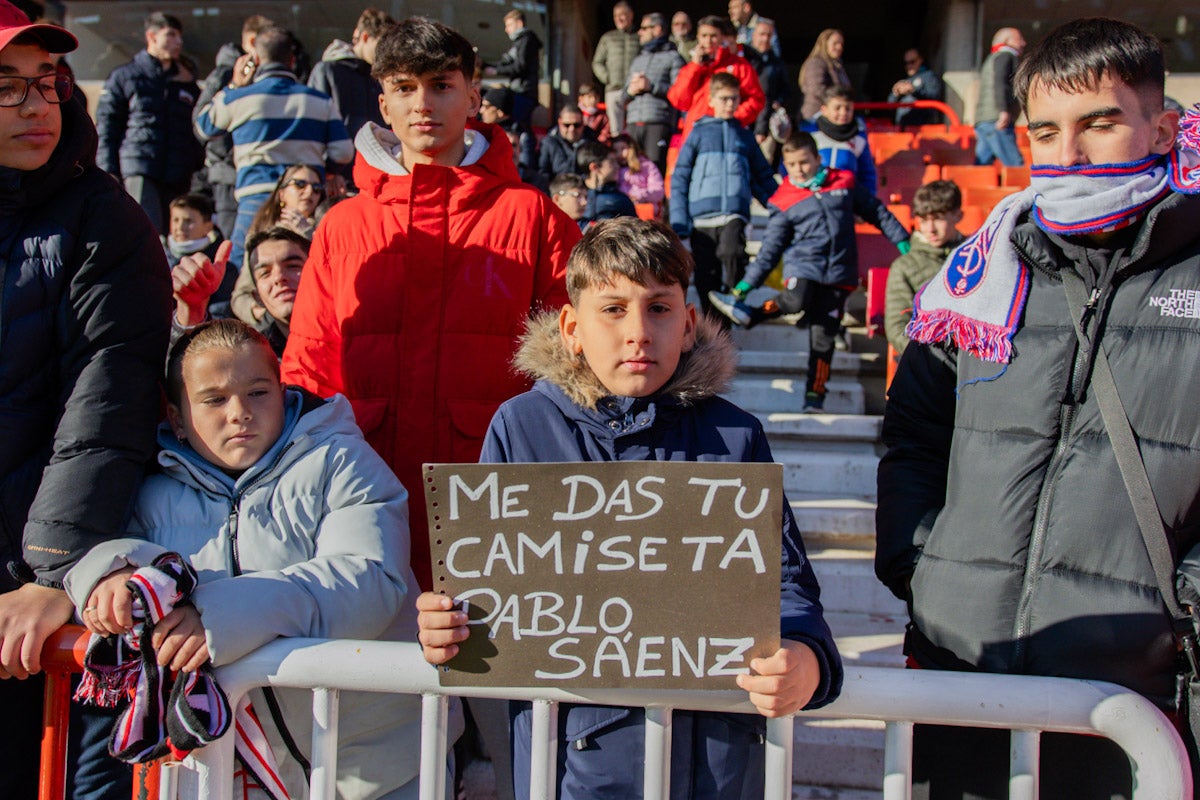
[
  {"x": 412, "y": 300},
  {"x": 689, "y": 93}
]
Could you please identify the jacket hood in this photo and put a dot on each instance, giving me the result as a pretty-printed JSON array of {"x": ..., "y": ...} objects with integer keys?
[
  {"x": 75, "y": 152},
  {"x": 527, "y": 33},
  {"x": 228, "y": 55},
  {"x": 704, "y": 371},
  {"x": 378, "y": 161},
  {"x": 338, "y": 50}
]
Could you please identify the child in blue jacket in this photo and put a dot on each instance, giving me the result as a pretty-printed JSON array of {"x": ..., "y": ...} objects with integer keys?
[
  {"x": 626, "y": 371},
  {"x": 719, "y": 168},
  {"x": 812, "y": 228},
  {"x": 841, "y": 138}
]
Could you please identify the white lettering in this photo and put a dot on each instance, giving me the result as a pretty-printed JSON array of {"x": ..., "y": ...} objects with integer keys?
[
  {"x": 490, "y": 485},
  {"x": 751, "y": 552},
  {"x": 452, "y": 554}
]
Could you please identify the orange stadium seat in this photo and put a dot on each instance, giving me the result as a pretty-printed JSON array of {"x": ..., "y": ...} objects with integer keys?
[
  {"x": 971, "y": 175},
  {"x": 902, "y": 212},
  {"x": 876, "y": 298},
  {"x": 874, "y": 250},
  {"x": 644, "y": 210},
  {"x": 1014, "y": 176},
  {"x": 885, "y": 144},
  {"x": 987, "y": 196},
  {"x": 973, "y": 217}
]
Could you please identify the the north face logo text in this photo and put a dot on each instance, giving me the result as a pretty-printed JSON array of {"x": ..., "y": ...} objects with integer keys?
[{"x": 1180, "y": 303}]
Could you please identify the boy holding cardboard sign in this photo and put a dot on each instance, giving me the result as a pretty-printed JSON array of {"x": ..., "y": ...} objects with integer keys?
[{"x": 627, "y": 372}]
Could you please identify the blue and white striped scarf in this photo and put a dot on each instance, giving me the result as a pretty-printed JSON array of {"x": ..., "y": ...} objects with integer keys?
[{"x": 977, "y": 298}]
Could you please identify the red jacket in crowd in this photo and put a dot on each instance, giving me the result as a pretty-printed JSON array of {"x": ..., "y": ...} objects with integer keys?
[
  {"x": 689, "y": 93},
  {"x": 413, "y": 297}
]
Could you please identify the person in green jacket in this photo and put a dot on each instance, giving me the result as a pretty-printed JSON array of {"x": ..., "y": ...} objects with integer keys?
[{"x": 937, "y": 207}]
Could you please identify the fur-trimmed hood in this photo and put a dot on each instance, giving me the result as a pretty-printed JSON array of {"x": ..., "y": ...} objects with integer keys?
[{"x": 704, "y": 371}]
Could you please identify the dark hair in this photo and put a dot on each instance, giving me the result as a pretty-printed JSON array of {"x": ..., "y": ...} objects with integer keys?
[
  {"x": 800, "y": 140},
  {"x": 256, "y": 24},
  {"x": 586, "y": 88},
  {"x": 836, "y": 93},
  {"x": 569, "y": 108},
  {"x": 637, "y": 249},
  {"x": 158, "y": 20},
  {"x": 565, "y": 182},
  {"x": 274, "y": 43},
  {"x": 269, "y": 212},
  {"x": 712, "y": 21},
  {"x": 656, "y": 19},
  {"x": 374, "y": 22},
  {"x": 589, "y": 153},
  {"x": 226, "y": 333},
  {"x": 723, "y": 80},
  {"x": 196, "y": 202},
  {"x": 277, "y": 233},
  {"x": 1076, "y": 56},
  {"x": 937, "y": 197},
  {"x": 633, "y": 161},
  {"x": 420, "y": 46}
]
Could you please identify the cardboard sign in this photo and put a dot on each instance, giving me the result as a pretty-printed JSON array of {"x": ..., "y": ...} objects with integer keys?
[{"x": 602, "y": 575}]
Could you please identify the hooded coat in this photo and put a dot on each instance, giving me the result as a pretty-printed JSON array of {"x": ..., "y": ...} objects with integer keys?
[
  {"x": 570, "y": 416},
  {"x": 414, "y": 295},
  {"x": 347, "y": 79},
  {"x": 311, "y": 541},
  {"x": 85, "y": 307},
  {"x": 909, "y": 273}
]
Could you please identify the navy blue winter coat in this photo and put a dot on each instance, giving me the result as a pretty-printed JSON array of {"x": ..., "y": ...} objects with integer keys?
[
  {"x": 568, "y": 416},
  {"x": 86, "y": 308},
  {"x": 719, "y": 168},
  {"x": 608, "y": 202},
  {"x": 814, "y": 231},
  {"x": 145, "y": 123}
]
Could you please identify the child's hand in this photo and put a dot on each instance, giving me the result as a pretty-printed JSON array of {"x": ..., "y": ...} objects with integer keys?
[
  {"x": 440, "y": 627},
  {"x": 109, "y": 608},
  {"x": 785, "y": 682},
  {"x": 179, "y": 641}
]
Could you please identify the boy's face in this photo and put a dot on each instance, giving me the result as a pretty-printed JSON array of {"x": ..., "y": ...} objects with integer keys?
[
  {"x": 801, "y": 164},
  {"x": 187, "y": 224},
  {"x": 587, "y": 100},
  {"x": 608, "y": 169},
  {"x": 164, "y": 43},
  {"x": 632, "y": 336},
  {"x": 724, "y": 102},
  {"x": 572, "y": 201},
  {"x": 428, "y": 113},
  {"x": 938, "y": 229},
  {"x": 277, "y": 276},
  {"x": 838, "y": 110},
  {"x": 232, "y": 407},
  {"x": 28, "y": 132},
  {"x": 1108, "y": 125}
]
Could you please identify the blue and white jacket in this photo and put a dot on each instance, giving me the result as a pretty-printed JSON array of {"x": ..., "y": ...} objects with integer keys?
[
  {"x": 839, "y": 151},
  {"x": 275, "y": 121},
  {"x": 720, "y": 168},
  {"x": 569, "y": 416}
]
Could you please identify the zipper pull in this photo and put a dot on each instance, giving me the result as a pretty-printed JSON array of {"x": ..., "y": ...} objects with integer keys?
[{"x": 1093, "y": 299}]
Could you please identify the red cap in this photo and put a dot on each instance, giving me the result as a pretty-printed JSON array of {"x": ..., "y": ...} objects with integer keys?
[{"x": 13, "y": 23}]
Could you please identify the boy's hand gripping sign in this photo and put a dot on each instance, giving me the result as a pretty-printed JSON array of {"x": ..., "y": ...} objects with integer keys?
[{"x": 601, "y": 575}]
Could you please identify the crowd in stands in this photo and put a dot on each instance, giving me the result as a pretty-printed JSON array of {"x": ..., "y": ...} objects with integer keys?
[{"x": 340, "y": 273}]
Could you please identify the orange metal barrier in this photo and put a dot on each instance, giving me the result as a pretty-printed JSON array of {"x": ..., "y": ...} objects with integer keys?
[
  {"x": 950, "y": 114},
  {"x": 62, "y": 656}
]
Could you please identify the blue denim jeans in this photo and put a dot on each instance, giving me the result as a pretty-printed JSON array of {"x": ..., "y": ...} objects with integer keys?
[
  {"x": 92, "y": 774},
  {"x": 992, "y": 143}
]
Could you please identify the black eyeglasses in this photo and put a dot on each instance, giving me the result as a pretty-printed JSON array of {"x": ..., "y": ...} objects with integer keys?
[
  {"x": 571, "y": 124},
  {"x": 54, "y": 88},
  {"x": 647, "y": 27},
  {"x": 302, "y": 184}
]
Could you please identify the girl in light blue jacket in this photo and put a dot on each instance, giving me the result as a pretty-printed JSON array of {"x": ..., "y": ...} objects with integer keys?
[{"x": 295, "y": 527}]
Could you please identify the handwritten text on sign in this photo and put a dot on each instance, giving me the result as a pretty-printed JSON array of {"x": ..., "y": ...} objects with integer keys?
[{"x": 654, "y": 574}]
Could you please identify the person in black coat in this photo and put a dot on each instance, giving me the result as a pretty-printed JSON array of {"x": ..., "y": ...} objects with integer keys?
[
  {"x": 558, "y": 149},
  {"x": 520, "y": 63},
  {"x": 86, "y": 313}
]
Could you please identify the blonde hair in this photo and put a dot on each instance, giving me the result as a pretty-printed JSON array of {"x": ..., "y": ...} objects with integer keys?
[{"x": 227, "y": 334}]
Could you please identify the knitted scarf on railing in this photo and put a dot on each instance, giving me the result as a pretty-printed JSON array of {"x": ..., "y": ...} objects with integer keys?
[
  {"x": 168, "y": 713},
  {"x": 976, "y": 299}
]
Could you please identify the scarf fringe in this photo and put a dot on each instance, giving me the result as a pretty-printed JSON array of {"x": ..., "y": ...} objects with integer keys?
[
  {"x": 109, "y": 686},
  {"x": 983, "y": 340}
]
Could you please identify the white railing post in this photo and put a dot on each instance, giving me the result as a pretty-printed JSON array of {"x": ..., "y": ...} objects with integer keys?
[
  {"x": 323, "y": 777},
  {"x": 780, "y": 737},
  {"x": 897, "y": 761},
  {"x": 543, "y": 765},
  {"x": 168, "y": 780},
  {"x": 435, "y": 714},
  {"x": 1024, "y": 761},
  {"x": 656, "y": 776}
]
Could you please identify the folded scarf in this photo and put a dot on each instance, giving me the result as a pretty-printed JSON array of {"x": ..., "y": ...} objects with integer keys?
[
  {"x": 839, "y": 133},
  {"x": 168, "y": 713},
  {"x": 976, "y": 300}
]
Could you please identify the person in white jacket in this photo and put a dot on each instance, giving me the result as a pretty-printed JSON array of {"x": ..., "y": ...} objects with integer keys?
[{"x": 295, "y": 528}]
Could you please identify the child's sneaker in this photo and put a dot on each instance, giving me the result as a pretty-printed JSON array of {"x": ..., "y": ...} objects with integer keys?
[
  {"x": 813, "y": 403},
  {"x": 732, "y": 307}
]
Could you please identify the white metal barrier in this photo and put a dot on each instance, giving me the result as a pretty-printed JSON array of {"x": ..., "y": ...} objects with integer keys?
[{"x": 1026, "y": 705}]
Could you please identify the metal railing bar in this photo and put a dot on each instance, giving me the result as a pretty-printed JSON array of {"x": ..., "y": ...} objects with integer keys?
[
  {"x": 897, "y": 760},
  {"x": 1025, "y": 761},
  {"x": 656, "y": 779},
  {"x": 323, "y": 778}
]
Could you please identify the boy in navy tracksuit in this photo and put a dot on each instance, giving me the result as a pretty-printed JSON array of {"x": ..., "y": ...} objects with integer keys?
[
  {"x": 626, "y": 372},
  {"x": 598, "y": 164},
  {"x": 719, "y": 167},
  {"x": 812, "y": 227}
]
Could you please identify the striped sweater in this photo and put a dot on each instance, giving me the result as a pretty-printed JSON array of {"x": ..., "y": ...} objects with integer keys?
[{"x": 275, "y": 122}]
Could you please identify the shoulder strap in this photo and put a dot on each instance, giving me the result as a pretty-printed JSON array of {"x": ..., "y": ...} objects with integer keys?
[{"x": 1129, "y": 458}]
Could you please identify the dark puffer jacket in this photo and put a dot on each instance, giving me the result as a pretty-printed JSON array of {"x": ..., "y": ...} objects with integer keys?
[
  {"x": 520, "y": 63},
  {"x": 86, "y": 314},
  {"x": 145, "y": 123},
  {"x": 347, "y": 79},
  {"x": 570, "y": 416},
  {"x": 660, "y": 62},
  {"x": 1006, "y": 508}
]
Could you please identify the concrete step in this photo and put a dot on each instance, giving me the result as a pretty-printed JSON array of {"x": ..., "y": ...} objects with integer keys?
[
  {"x": 838, "y": 755},
  {"x": 841, "y": 430},
  {"x": 833, "y": 793},
  {"x": 868, "y": 640},
  {"x": 796, "y": 362},
  {"x": 848, "y": 582},
  {"x": 834, "y": 473},
  {"x": 765, "y": 394},
  {"x": 839, "y": 522}
]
